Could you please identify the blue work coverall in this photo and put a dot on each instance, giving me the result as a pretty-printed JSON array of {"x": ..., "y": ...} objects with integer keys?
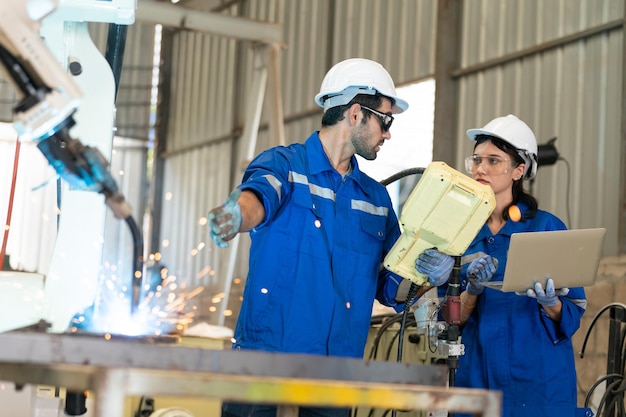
[
  {"x": 511, "y": 344},
  {"x": 315, "y": 260}
]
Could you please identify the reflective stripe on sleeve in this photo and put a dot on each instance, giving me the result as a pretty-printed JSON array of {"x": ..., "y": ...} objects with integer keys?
[
  {"x": 276, "y": 185},
  {"x": 579, "y": 302}
]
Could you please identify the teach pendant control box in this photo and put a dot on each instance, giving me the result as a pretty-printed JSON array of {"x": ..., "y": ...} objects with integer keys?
[{"x": 445, "y": 210}]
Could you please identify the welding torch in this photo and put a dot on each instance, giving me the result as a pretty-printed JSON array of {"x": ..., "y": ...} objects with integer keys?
[{"x": 85, "y": 168}]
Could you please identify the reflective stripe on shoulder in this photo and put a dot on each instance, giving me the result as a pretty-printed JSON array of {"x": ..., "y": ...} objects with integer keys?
[{"x": 369, "y": 208}]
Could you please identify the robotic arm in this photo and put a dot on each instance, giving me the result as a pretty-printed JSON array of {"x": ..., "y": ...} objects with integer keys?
[{"x": 48, "y": 99}]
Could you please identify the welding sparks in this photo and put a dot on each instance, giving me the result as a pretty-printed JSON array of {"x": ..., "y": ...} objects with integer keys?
[{"x": 165, "y": 308}]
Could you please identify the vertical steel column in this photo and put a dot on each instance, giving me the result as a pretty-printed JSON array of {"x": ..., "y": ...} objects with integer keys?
[
  {"x": 446, "y": 90},
  {"x": 621, "y": 237}
]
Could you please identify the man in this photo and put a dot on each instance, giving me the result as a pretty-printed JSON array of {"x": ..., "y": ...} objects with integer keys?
[{"x": 320, "y": 229}]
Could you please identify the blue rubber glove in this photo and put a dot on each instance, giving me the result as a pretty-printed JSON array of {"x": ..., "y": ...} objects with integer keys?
[
  {"x": 225, "y": 220},
  {"x": 549, "y": 297},
  {"x": 480, "y": 270},
  {"x": 436, "y": 265}
]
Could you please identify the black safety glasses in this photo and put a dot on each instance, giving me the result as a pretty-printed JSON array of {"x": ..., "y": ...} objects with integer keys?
[{"x": 385, "y": 119}]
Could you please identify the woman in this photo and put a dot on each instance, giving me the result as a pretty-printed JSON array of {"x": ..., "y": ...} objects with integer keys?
[{"x": 519, "y": 344}]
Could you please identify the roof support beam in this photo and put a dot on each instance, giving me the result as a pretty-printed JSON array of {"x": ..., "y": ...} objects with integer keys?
[{"x": 169, "y": 15}]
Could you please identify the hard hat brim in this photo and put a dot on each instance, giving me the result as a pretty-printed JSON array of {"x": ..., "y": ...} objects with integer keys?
[
  {"x": 474, "y": 133},
  {"x": 328, "y": 100}
]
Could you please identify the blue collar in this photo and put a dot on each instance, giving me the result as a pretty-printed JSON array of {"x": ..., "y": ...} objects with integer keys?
[{"x": 319, "y": 162}]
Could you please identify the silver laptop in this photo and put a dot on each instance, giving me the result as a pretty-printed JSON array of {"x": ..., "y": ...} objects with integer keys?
[{"x": 569, "y": 257}]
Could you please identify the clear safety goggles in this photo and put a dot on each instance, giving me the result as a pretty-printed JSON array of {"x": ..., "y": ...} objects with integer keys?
[{"x": 492, "y": 164}]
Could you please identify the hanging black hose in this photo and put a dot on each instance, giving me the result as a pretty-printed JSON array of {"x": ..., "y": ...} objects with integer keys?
[
  {"x": 412, "y": 290},
  {"x": 612, "y": 401},
  {"x": 407, "y": 307},
  {"x": 137, "y": 262},
  {"x": 414, "y": 287},
  {"x": 595, "y": 319},
  {"x": 386, "y": 322},
  {"x": 402, "y": 174},
  {"x": 410, "y": 322}
]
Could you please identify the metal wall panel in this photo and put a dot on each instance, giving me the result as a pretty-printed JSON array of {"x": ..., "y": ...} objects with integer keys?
[
  {"x": 493, "y": 28},
  {"x": 306, "y": 27},
  {"x": 572, "y": 91},
  {"x": 208, "y": 73},
  {"x": 316, "y": 37},
  {"x": 134, "y": 93},
  {"x": 399, "y": 34},
  {"x": 203, "y": 87}
]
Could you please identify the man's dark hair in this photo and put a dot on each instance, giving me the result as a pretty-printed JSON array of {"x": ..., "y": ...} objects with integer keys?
[{"x": 333, "y": 115}]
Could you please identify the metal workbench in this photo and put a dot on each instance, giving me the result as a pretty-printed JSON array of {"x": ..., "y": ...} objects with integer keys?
[{"x": 112, "y": 368}]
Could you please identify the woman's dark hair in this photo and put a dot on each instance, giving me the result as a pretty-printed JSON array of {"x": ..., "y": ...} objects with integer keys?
[
  {"x": 519, "y": 195},
  {"x": 333, "y": 115}
]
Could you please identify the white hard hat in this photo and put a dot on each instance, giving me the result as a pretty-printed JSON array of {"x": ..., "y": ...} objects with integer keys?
[
  {"x": 515, "y": 132},
  {"x": 355, "y": 76}
]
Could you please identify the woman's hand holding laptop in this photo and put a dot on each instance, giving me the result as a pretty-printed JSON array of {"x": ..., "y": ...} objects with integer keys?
[{"x": 547, "y": 298}]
